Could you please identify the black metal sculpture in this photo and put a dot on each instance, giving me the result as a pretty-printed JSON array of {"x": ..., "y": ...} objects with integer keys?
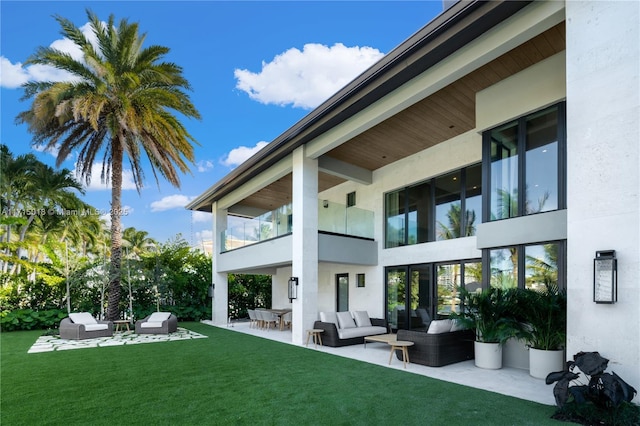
[{"x": 604, "y": 390}]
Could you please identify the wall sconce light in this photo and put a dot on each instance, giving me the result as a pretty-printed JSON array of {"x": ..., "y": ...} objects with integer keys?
[
  {"x": 325, "y": 203},
  {"x": 293, "y": 288},
  {"x": 605, "y": 277},
  {"x": 211, "y": 289}
]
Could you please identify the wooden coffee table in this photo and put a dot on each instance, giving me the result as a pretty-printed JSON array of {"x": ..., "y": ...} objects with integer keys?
[
  {"x": 119, "y": 323},
  {"x": 380, "y": 338}
]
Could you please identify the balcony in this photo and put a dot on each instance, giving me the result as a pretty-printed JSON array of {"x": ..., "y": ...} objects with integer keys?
[{"x": 333, "y": 218}]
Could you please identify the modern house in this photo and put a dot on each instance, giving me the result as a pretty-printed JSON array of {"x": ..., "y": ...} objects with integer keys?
[{"x": 497, "y": 146}]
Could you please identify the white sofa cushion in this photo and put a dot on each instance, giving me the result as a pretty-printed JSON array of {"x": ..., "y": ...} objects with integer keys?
[
  {"x": 347, "y": 333},
  {"x": 440, "y": 326},
  {"x": 151, "y": 324},
  {"x": 362, "y": 318},
  {"x": 345, "y": 320},
  {"x": 329, "y": 317},
  {"x": 159, "y": 316},
  {"x": 94, "y": 327},
  {"x": 82, "y": 318}
]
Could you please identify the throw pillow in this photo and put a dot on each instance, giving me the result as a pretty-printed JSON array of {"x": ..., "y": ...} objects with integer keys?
[
  {"x": 159, "y": 316},
  {"x": 345, "y": 320},
  {"x": 362, "y": 319},
  {"x": 329, "y": 317},
  {"x": 82, "y": 318},
  {"x": 439, "y": 326}
]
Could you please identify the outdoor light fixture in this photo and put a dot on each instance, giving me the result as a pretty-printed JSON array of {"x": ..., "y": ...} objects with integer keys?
[
  {"x": 211, "y": 289},
  {"x": 325, "y": 204},
  {"x": 605, "y": 277},
  {"x": 293, "y": 288}
]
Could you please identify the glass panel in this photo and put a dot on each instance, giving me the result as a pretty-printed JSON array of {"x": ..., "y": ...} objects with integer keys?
[
  {"x": 504, "y": 267},
  {"x": 343, "y": 292},
  {"x": 472, "y": 277},
  {"x": 395, "y": 218},
  {"x": 360, "y": 222},
  {"x": 418, "y": 217},
  {"x": 447, "y": 288},
  {"x": 448, "y": 206},
  {"x": 396, "y": 285},
  {"x": 504, "y": 172},
  {"x": 542, "y": 265},
  {"x": 420, "y": 295},
  {"x": 542, "y": 162},
  {"x": 473, "y": 199}
]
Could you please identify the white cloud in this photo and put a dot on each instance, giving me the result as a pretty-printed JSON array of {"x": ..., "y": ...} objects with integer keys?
[
  {"x": 201, "y": 217},
  {"x": 306, "y": 78},
  {"x": 96, "y": 183},
  {"x": 15, "y": 74},
  {"x": 170, "y": 202},
  {"x": 238, "y": 155},
  {"x": 12, "y": 75},
  {"x": 204, "y": 166},
  {"x": 43, "y": 148}
]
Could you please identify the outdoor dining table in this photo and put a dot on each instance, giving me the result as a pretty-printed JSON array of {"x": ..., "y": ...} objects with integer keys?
[{"x": 280, "y": 312}]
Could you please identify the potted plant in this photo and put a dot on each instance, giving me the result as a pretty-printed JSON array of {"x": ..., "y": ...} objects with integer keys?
[
  {"x": 545, "y": 313},
  {"x": 491, "y": 313}
]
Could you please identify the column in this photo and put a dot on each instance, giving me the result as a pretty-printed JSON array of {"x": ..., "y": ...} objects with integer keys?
[
  {"x": 220, "y": 313},
  {"x": 305, "y": 243}
]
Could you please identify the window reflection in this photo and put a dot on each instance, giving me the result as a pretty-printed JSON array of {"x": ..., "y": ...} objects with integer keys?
[{"x": 542, "y": 162}]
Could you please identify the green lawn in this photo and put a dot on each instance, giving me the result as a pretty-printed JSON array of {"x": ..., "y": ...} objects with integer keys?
[{"x": 231, "y": 378}]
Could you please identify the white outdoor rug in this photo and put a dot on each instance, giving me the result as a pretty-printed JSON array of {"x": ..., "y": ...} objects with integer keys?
[{"x": 55, "y": 343}]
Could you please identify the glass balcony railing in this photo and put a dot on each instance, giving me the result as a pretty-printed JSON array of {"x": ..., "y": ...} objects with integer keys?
[{"x": 332, "y": 217}]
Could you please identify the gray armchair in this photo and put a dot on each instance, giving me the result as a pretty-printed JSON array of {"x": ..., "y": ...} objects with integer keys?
[
  {"x": 157, "y": 323},
  {"x": 82, "y": 325}
]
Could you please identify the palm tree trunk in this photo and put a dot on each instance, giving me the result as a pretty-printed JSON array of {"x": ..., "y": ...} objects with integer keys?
[{"x": 113, "y": 311}]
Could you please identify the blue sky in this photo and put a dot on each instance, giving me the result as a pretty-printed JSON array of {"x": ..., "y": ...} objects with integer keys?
[{"x": 256, "y": 68}]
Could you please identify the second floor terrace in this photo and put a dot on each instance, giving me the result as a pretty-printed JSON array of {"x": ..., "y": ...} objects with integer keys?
[{"x": 333, "y": 218}]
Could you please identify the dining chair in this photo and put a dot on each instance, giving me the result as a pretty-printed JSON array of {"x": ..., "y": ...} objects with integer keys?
[
  {"x": 253, "y": 318},
  {"x": 269, "y": 318},
  {"x": 285, "y": 321}
]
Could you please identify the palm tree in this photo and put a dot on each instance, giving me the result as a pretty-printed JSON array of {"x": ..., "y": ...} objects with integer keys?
[
  {"x": 455, "y": 227},
  {"x": 119, "y": 105},
  {"x": 15, "y": 174},
  {"x": 137, "y": 241}
]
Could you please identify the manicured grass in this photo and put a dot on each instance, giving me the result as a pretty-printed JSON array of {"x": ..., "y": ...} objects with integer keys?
[{"x": 232, "y": 379}]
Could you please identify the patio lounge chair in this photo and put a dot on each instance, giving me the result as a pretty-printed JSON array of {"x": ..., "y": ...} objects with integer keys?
[
  {"x": 82, "y": 325},
  {"x": 157, "y": 323}
]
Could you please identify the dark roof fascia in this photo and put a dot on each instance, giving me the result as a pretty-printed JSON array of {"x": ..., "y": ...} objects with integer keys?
[{"x": 455, "y": 27}]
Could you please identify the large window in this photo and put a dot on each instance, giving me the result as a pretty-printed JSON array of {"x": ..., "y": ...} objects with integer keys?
[
  {"x": 445, "y": 207},
  {"x": 527, "y": 266},
  {"x": 524, "y": 160},
  {"x": 417, "y": 294},
  {"x": 451, "y": 277}
]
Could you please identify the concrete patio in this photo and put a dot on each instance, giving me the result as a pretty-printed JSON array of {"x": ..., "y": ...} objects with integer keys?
[{"x": 507, "y": 381}]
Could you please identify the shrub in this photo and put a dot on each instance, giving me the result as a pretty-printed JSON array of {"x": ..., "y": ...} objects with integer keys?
[{"x": 28, "y": 319}]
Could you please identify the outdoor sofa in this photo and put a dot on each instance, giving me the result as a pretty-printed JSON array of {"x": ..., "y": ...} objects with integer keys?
[
  {"x": 439, "y": 345},
  {"x": 348, "y": 328},
  {"x": 157, "y": 323},
  {"x": 82, "y": 325}
]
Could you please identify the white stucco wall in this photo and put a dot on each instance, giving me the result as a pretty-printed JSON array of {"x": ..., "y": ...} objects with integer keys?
[{"x": 603, "y": 110}]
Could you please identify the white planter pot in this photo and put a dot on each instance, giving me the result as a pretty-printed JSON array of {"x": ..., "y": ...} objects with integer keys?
[
  {"x": 488, "y": 355},
  {"x": 541, "y": 362}
]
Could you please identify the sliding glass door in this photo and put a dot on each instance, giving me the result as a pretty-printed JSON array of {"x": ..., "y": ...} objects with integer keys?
[
  {"x": 417, "y": 294},
  {"x": 409, "y": 300}
]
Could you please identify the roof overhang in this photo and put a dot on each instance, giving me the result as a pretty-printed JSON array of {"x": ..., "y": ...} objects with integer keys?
[{"x": 448, "y": 32}]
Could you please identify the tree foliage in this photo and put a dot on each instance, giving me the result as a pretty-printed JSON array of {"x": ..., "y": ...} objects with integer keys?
[{"x": 118, "y": 107}]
